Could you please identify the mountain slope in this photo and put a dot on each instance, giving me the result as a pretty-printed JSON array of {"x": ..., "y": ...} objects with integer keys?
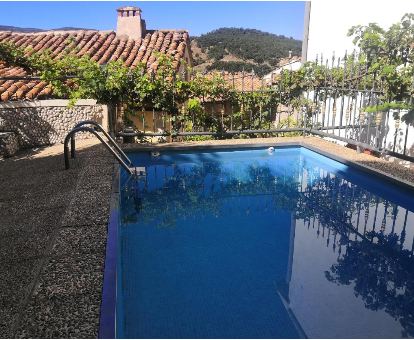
[
  {"x": 35, "y": 30},
  {"x": 235, "y": 48}
]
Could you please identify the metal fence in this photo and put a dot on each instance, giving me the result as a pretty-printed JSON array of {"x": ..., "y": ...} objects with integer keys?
[
  {"x": 342, "y": 114},
  {"x": 332, "y": 109}
]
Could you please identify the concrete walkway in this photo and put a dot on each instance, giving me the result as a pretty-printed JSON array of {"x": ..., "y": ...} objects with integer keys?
[{"x": 53, "y": 231}]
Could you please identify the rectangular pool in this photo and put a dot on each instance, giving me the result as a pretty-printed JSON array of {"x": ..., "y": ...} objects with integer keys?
[{"x": 253, "y": 243}]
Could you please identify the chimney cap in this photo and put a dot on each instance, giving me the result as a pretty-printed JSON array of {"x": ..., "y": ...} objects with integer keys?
[{"x": 129, "y": 8}]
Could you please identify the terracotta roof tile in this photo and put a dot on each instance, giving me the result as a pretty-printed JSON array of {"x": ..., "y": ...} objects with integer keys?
[
  {"x": 46, "y": 91},
  {"x": 100, "y": 46},
  {"x": 149, "y": 48},
  {"x": 108, "y": 53},
  {"x": 21, "y": 41},
  {"x": 133, "y": 53},
  {"x": 29, "y": 40},
  {"x": 166, "y": 43},
  {"x": 83, "y": 40},
  {"x": 241, "y": 83},
  {"x": 119, "y": 49},
  {"x": 36, "y": 90},
  {"x": 41, "y": 46},
  {"x": 60, "y": 45},
  {"x": 35, "y": 44},
  {"x": 105, "y": 45},
  {"x": 93, "y": 45},
  {"x": 87, "y": 42},
  {"x": 77, "y": 37},
  {"x": 6, "y": 85},
  {"x": 4, "y": 35},
  {"x": 49, "y": 44},
  {"x": 23, "y": 89},
  {"x": 15, "y": 38},
  {"x": 7, "y": 36},
  {"x": 128, "y": 47},
  {"x": 159, "y": 41}
]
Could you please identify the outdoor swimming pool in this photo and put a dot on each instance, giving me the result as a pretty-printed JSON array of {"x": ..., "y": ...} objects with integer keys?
[{"x": 250, "y": 243}]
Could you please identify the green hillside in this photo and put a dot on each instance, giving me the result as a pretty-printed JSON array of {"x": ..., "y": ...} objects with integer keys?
[{"x": 235, "y": 48}]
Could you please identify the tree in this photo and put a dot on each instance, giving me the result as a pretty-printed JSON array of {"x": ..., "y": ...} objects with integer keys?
[{"x": 389, "y": 55}]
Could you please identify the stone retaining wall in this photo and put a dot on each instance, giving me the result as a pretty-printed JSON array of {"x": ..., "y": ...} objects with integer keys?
[
  {"x": 9, "y": 144},
  {"x": 46, "y": 125}
]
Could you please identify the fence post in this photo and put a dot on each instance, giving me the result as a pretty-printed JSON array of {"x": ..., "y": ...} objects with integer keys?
[
  {"x": 407, "y": 123},
  {"x": 362, "y": 105},
  {"x": 111, "y": 120},
  {"x": 305, "y": 115},
  {"x": 305, "y": 118}
]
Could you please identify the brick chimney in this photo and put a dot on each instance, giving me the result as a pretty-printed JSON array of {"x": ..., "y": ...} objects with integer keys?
[{"x": 130, "y": 22}]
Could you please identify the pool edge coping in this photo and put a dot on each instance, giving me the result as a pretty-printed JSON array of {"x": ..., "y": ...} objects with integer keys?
[
  {"x": 107, "y": 316},
  {"x": 107, "y": 324},
  {"x": 401, "y": 183}
]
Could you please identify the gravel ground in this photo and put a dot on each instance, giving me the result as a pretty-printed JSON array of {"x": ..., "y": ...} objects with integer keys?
[{"x": 53, "y": 227}]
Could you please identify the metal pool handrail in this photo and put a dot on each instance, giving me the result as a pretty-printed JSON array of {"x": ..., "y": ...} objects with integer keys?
[
  {"x": 88, "y": 129},
  {"x": 101, "y": 129}
]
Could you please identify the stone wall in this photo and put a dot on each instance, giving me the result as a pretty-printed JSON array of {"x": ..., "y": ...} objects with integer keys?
[
  {"x": 9, "y": 144},
  {"x": 46, "y": 125}
]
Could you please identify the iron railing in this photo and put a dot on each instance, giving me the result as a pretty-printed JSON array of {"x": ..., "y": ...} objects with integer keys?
[
  {"x": 332, "y": 109},
  {"x": 70, "y": 137}
]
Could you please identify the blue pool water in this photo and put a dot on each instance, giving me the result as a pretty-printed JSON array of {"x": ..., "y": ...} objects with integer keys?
[{"x": 258, "y": 244}]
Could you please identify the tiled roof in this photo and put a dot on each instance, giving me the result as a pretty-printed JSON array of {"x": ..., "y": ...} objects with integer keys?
[
  {"x": 286, "y": 61},
  {"x": 244, "y": 83},
  {"x": 100, "y": 46},
  {"x": 238, "y": 82},
  {"x": 128, "y": 8},
  {"x": 285, "y": 65},
  {"x": 241, "y": 83}
]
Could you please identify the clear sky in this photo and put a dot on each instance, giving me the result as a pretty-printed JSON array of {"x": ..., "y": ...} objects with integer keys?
[{"x": 198, "y": 17}]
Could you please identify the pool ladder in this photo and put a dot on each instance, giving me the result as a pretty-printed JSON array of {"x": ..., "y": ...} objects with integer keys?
[{"x": 79, "y": 127}]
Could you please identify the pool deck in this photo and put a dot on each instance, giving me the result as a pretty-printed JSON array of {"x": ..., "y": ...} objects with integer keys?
[
  {"x": 53, "y": 232},
  {"x": 53, "y": 227}
]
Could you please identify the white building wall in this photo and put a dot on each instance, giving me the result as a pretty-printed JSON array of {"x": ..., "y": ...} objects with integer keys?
[
  {"x": 328, "y": 27},
  {"x": 294, "y": 66},
  {"x": 330, "y": 21}
]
